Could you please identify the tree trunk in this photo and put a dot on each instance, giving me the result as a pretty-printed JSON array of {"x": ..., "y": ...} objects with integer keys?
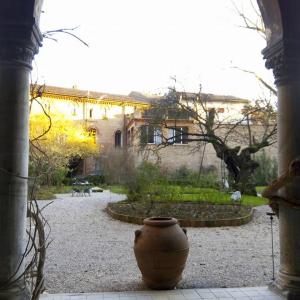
[
  {"x": 240, "y": 167},
  {"x": 243, "y": 181}
]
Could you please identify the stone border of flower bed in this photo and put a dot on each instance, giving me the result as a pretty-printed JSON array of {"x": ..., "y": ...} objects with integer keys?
[{"x": 185, "y": 222}]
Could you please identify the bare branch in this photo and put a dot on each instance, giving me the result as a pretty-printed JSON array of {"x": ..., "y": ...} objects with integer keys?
[
  {"x": 260, "y": 79},
  {"x": 49, "y": 34},
  {"x": 255, "y": 25}
]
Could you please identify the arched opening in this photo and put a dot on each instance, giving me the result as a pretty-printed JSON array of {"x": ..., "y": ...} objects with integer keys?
[
  {"x": 75, "y": 166},
  {"x": 93, "y": 133},
  {"x": 288, "y": 78},
  {"x": 118, "y": 139}
]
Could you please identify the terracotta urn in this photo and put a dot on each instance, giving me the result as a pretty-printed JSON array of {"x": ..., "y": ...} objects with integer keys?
[{"x": 161, "y": 249}]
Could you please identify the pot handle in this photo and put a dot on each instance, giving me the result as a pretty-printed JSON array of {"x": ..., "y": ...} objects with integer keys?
[
  {"x": 137, "y": 233},
  {"x": 184, "y": 230}
]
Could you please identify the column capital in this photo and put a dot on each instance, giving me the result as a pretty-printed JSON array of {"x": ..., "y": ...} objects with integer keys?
[
  {"x": 282, "y": 25},
  {"x": 20, "y": 37},
  {"x": 283, "y": 57}
]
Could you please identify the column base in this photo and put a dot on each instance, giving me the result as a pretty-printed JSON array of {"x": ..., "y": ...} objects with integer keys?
[
  {"x": 15, "y": 294},
  {"x": 286, "y": 286}
]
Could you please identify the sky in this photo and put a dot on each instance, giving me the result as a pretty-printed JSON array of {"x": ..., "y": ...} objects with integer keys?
[{"x": 139, "y": 45}]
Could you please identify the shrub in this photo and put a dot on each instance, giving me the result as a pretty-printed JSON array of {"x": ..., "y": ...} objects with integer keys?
[
  {"x": 95, "y": 179},
  {"x": 144, "y": 180},
  {"x": 267, "y": 170},
  {"x": 165, "y": 192},
  {"x": 59, "y": 175},
  {"x": 46, "y": 175},
  {"x": 150, "y": 182},
  {"x": 117, "y": 166},
  {"x": 185, "y": 176}
]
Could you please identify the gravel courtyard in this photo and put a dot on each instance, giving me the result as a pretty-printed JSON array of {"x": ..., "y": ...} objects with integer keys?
[{"x": 91, "y": 252}]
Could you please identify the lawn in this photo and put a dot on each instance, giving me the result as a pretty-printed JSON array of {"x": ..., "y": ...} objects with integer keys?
[
  {"x": 176, "y": 193},
  {"x": 259, "y": 189},
  {"x": 217, "y": 197}
]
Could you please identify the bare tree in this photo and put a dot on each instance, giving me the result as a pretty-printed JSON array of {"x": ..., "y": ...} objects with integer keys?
[
  {"x": 253, "y": 22},
  {"x": 234, "y": 138}
]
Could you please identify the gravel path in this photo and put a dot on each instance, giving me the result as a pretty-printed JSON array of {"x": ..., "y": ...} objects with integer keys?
[{"x": 91, "y": 252}]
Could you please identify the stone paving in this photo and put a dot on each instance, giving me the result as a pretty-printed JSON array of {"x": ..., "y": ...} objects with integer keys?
[{"x": 247, "y": 293}]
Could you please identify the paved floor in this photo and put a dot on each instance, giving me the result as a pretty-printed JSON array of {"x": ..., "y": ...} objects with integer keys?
[{"x": 248, "y": 293}]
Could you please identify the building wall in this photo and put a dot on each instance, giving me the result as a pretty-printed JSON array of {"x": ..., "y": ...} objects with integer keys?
[
  {"x": 107, "y": 118},
  {"x": 175, "y": 156},
  {"x": 194, "y": 154},
  {"x": 81, "y": 110}
]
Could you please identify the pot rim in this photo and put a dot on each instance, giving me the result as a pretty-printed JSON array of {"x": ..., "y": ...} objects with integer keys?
[{"x": 160, "y": 221}]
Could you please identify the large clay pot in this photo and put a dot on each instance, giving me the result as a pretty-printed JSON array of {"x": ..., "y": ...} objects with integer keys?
[{"x": 161, "y": 249}]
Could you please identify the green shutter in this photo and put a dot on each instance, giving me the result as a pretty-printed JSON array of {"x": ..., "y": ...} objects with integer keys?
[{"x": 143, "y": 135}]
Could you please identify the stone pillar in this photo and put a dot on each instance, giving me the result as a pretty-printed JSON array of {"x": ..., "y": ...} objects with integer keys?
[
  {"x": 19, "y": 42},
  {"x": 285, "y": 61},
  {"x": 282, "y": 54}
]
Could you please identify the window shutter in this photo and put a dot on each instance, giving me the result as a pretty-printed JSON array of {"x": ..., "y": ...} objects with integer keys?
[
  {"x": 143, "y": 135},
  {"x": 184, "y": 135},
  {"x": 150, "y": 137},
  {"x": 178, "y": 135}
]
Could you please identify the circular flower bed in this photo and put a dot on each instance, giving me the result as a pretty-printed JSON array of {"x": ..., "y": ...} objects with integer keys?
[{"x": 189, "y": 214}]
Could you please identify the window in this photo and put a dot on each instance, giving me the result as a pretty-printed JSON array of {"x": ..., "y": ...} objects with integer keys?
[
  {"x": 128, "y": 138},
  {"x": 150, "y": 135},
  {"x": 130, "y": 134},
  {"x": 104, "y": 116},
  {"x": 74, "y": 112},
  {"x": 93, "y": 133},
  {"x": 178, "y": 135},
  {"x": 157, "y": 136},
  {"x": 118, "y": 139}
]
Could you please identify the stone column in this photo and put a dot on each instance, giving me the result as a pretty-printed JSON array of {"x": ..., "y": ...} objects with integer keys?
[
  {"x": 285, "y": 60},
  {"x": 282, "y": 54},
  {"x": 19, "y": 42}
]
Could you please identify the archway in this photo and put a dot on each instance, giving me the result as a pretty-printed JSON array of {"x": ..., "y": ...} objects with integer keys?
[
  {"x": 21, "y": 39},
  {"x": 93, "y": 134}
]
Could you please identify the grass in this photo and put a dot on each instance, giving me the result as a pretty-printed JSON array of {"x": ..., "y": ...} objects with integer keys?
[
  {"x": 259, "y": 189},
  {"x": 48, "y": 192},
  {"x": 173, "y": 193},
  {"x": 217, "y": 197}
]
